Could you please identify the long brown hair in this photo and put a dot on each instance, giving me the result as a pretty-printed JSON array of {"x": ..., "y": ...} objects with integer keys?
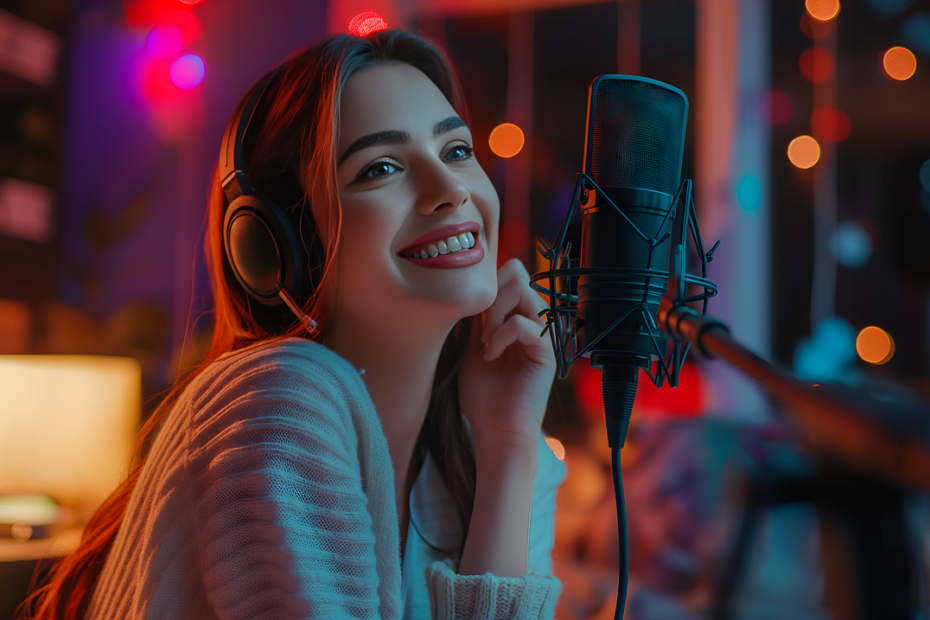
[{"x": 296, "y": 142}]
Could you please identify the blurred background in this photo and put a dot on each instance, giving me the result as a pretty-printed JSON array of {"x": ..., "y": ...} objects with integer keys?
[{"x": 809, "y": 145}]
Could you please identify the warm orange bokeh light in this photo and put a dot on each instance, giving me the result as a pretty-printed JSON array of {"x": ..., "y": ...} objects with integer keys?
[
  {"x": 557, "y": 448},
  {"x": 822, "y": 9},
  {"x": 899, "y": 63},
  {"x": 506, "y": 140},
  {"x": 804, "y": 152},
  {"x": 816, "y": 64},
  {"x": 875, "y": 345}
]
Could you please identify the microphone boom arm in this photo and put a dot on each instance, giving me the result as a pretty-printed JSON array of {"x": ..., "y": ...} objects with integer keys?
[{"x": 835, "y": 426}]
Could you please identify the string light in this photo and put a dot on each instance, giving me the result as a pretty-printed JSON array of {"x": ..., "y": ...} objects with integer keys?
[
  {"x": 874, "y": 345},
  {"x": 804, "y": 152},
  {"x": 366, "y": 23},
  {"x": 899, "y": 63},
  {"x": 506, "y": 140},
  {"x": 823, "y": 10}
]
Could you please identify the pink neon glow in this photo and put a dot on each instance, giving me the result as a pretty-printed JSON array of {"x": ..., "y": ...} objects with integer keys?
[
  {"x": 187, "y": 71},
  {"x": 164, "y": 41}
]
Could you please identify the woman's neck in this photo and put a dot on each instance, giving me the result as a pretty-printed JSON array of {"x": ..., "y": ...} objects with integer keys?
[{"x": 400, "y": 366}]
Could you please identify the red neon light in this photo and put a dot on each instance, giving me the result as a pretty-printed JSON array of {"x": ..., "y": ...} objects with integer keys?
[{"x": 366, "y": 23}]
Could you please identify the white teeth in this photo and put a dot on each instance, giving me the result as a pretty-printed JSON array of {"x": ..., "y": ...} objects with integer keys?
[{"x": 456, "y": 243}]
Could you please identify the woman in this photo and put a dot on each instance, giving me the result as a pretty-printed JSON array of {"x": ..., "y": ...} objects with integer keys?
[{"x": 382, "y": 457}]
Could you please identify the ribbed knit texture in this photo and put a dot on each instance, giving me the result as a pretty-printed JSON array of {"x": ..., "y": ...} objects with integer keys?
[{"x": 269, "y": 493}]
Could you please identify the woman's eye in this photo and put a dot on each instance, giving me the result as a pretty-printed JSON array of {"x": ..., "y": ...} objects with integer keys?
[
  {"x": 378, "y": 170},
  {"x": 459, "y": 151}
]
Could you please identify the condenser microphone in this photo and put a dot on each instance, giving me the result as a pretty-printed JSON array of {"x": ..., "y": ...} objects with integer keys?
[
  {"x": 634, "y": 144},
  {"x": 636, "y": 216}
]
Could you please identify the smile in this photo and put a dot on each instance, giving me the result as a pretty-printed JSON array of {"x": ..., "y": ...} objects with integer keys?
[{"x": 456, "y": 243}]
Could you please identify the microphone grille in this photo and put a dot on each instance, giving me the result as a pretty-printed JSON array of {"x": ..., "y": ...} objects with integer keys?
[{"x": 638, "y": 134}]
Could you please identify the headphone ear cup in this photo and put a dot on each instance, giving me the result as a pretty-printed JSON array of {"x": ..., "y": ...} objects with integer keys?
[{"x": 262, "y": 249}]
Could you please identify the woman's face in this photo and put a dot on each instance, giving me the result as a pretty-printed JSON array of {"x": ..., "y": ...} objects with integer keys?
[{"x": 409, "y": 184}]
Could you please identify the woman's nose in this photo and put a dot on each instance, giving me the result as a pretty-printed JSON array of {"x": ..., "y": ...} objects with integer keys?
[{"x": 440, "y": 188}]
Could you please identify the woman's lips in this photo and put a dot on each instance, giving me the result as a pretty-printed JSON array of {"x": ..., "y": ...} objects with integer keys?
[
  {"x": 452, "y": 260},
  {"x": 441, "y": 234}
]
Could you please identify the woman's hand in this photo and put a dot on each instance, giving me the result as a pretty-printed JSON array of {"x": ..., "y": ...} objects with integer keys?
[{"x": 507, "y": 373}]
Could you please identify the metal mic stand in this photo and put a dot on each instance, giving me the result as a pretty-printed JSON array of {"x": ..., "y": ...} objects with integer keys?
[{"x": 856, "y": 489}]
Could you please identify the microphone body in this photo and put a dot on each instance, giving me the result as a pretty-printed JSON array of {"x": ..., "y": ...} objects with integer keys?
[{"x": 634, "y": 145}]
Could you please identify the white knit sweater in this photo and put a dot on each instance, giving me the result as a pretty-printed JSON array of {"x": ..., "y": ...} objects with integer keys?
[{"x": 269, "y": 493}]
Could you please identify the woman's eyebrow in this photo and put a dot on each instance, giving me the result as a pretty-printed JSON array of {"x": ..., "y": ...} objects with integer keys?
[{"x": 394, "y": 136}]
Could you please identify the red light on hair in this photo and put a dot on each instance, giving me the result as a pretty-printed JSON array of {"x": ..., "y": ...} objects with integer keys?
[{"x": 366, "y": 23}]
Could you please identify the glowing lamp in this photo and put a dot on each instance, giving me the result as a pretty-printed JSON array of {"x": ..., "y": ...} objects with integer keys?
[
  {"x": 67, "y": 425},
  {"x": 822, "y": 10},
  {"x": 187, "y": 71},
  {"x": 366, "y": 23},
  {"x": 506, "y": 140},
  {"x": 874, "y": 345},
  {"x": 899, "y": 63},
  {"x": 164, "y": 41},
  {"x": 816, "y": 64},
  {"x": 804, "y": 152}
]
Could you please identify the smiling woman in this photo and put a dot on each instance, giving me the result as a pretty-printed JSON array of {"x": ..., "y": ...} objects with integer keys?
[{"x": 363, "y": 439}]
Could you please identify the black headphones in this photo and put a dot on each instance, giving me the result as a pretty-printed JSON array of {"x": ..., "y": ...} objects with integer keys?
[{"x": 269, "y": 240}]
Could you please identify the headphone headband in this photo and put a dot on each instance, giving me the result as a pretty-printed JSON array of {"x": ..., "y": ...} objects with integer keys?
[{"x": 232, "y": 153}]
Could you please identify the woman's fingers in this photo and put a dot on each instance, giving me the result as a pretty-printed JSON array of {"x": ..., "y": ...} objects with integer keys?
[
  {"x": 514, "y": 295},
  {"x": 522, "y": 329}
]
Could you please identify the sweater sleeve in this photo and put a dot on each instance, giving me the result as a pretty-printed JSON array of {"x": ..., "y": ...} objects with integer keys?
[
  {"x": 532, "y": 596},
  {"x": 278, "y": 499}
]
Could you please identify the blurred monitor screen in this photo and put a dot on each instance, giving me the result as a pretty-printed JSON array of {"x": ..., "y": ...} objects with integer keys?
[{"x": 67, "y": 425}]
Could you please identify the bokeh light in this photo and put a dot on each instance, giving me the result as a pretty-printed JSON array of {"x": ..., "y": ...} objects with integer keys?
[
  {"x": 899, "y": 63},
  {"x": 888, "y": 8},
  {"x": 506, "y": 140},
  {"x": 164, "y": 41},
  {"x": 749, "y": 193},
  {"x": 915, "y": 32},
  {"x": 804, "y": 152},
  {"x": 874, "y": 345},
  {"x": 155, "y": 80},
  {"x": 816, "y": 64},
  {"x": 925, "y": 175},
  {"x": 851, "y": 245},
  {"x": 187, "y": 71},
  {"x": 815, "y": 29},
  {"x": 152, "y": 13},
  {"x": 776, "y": 107},
  {"x": 830, "y": 125},
  {"x": 366, "y": 23},
  {"x": 557, "y": 448},
  {"x": 822, "y": 9}
]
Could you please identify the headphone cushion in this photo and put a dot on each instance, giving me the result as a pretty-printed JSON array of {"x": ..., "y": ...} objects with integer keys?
[{"x": 262, "y": 248}]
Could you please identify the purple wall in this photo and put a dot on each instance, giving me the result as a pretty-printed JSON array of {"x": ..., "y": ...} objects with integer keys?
[{"x": 113, "y": 154}]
